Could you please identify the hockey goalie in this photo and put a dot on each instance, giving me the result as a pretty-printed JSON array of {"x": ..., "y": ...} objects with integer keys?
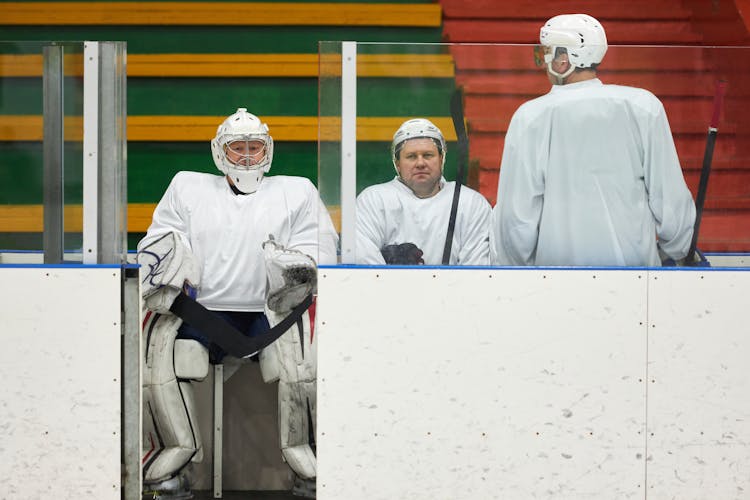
[{"x": 228, "y": 268}]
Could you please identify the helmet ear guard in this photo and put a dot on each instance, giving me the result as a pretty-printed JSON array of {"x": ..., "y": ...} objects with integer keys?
[
  {"x": 414, "y": 129},
  {"x": 247, "y": 127}
]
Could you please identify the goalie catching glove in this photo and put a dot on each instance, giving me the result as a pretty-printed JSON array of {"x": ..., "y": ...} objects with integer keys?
[
  {"x": 167, "y": 268},
  {"x": 292, "y": 276}
]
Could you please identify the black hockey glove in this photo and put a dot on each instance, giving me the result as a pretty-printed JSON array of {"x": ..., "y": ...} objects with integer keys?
[
  {"x": 405, "y": 254},
  {"x": 699, "y": 260}
]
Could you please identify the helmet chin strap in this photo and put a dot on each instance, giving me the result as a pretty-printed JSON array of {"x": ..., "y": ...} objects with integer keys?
[{"x": 560, "y": 77}]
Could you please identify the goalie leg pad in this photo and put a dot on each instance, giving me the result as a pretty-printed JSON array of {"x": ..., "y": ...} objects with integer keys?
[
  {"x": 270, "y": 363},
  {"x": 171, "y": 438},
  {"x": 297, "y": 408},
  {"x": 296, "y": 354}
]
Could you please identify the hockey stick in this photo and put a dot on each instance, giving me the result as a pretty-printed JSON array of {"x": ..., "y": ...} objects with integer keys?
[
  {"x": 226, "y": 336},
  {"x": 457, "y": 114},
  {"x": 700, "y": 197}
]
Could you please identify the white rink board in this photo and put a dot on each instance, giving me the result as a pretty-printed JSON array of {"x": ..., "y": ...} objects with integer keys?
[
  {"x": 699, "y": 385},
  {"x": 471, "y": 383},
  {"x": 60, "y": 397}
]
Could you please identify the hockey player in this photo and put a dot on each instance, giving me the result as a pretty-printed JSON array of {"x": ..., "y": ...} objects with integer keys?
[
  {"x": 223, "y": 238},
  {"x": 405, "y": 221},
  {"x": 589, "y": 173}
]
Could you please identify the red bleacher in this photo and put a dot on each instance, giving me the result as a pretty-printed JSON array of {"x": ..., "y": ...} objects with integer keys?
[{"x": 497, "y": 79}]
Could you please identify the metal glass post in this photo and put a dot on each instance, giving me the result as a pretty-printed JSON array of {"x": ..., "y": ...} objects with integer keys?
[
  {"x": 52, "y": 238},
  {"x": 132, "y": 401},
  {"x": 104, "y": 153},
  {"x": 348, "y": 152},
  {"x": 90, "y": 152},
  {"x": 112, "y": 154}
]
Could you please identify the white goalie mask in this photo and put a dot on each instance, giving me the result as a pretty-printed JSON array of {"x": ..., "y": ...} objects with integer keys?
[
  {"x": 415, "y": 129},
  {"x": 243, "y": 150},
  {"x": 580, "y": 35}
]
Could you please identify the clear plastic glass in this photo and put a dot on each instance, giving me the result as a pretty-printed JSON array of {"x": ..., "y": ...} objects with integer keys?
[
  {"x": 37, "y": 81},
  {"x": 396, "y": 82}
]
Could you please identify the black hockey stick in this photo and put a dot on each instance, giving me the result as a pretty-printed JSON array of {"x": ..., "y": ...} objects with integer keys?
[
  {"x": 457, "y": 114},
  {"x": 226, "y": 336},
  {"x": 700, "y": 197}
]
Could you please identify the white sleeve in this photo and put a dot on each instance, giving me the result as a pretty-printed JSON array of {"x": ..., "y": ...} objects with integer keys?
[
  {"x": 475, "y": 245},
  {"x": 370, "y": 230},
  {"x": 514, "y": 227},
  {"x": 328, "y": 238},
  {"x": 312, "y": 230},
  {"x": 669, "y": 197},
  {"x": 168, "y": 217}
]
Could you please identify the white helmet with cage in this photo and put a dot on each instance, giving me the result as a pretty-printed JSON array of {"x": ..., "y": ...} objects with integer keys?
[
  {"x": 415, "y": 129},
  {"x": 580, "y": 35},
  {"x": 243, "y": 150}
]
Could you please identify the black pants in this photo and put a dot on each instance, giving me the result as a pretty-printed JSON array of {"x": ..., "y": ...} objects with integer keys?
[{"x": 251, "y": 324}]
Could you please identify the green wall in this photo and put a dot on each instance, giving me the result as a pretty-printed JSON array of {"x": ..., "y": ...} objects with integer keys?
[{"x": 151, "y": 165}]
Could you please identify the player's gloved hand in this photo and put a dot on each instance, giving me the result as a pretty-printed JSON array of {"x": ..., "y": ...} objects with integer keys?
[
  {"x": 402, "y": 254},
  {"x": 699, "y": 260}
]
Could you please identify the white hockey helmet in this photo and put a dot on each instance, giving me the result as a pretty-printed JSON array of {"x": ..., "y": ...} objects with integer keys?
[
  {"x": 414, "y": 129},
  {"x": 580, "y": 34},
  {"x": 242, "y": 126}
]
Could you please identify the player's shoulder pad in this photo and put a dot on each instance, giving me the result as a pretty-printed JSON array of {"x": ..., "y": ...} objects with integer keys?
[
  {"x": 378, "y": 191},
  {"x": 289, "y": 181},
  {"x": 529, "y": 111},
  {"x": 191, "y": 177},
  {"x": 641, "y": 97},
  {"x": 189, "y": 182},
  {"x": 468, "y": 196}
]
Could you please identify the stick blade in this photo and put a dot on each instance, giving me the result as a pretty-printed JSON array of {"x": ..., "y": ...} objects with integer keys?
[{"x": 457, "y": 114}]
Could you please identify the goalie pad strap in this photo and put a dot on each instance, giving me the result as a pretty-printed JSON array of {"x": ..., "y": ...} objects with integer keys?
[{"x": 226, "y": 336}]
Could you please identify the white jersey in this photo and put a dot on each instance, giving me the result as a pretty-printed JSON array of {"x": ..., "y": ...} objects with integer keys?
[
  {"x": 590, "y": 176},
  {"x": 225, "y": 232},
  {"x": 390, "y": 213}
]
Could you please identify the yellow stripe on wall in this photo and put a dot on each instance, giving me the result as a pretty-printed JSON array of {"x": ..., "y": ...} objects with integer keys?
[
  {"x": 30, "y": 218},
  {"x": 172, "y": 128},
  {"x": 219, "y": 14},
  {"x": 247, "y": 65}
]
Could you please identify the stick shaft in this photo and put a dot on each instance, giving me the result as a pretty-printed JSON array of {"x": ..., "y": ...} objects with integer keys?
[
  {"x": 700, "y": 197},
  {"x": 457, "y": 114}
]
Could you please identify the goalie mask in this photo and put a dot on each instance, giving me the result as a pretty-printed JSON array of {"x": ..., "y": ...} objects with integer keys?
[
  {"x": 579, "y": 35},
  {"x": 414, "y": 129},
  {"x": 243, "y": 150}
]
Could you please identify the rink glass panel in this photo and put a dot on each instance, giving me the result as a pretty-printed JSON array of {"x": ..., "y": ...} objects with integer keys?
[
  {"x": 42, "y": 122},
  {"x": 395, "y": 82},
  {"x": 22, "y": 160}
]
